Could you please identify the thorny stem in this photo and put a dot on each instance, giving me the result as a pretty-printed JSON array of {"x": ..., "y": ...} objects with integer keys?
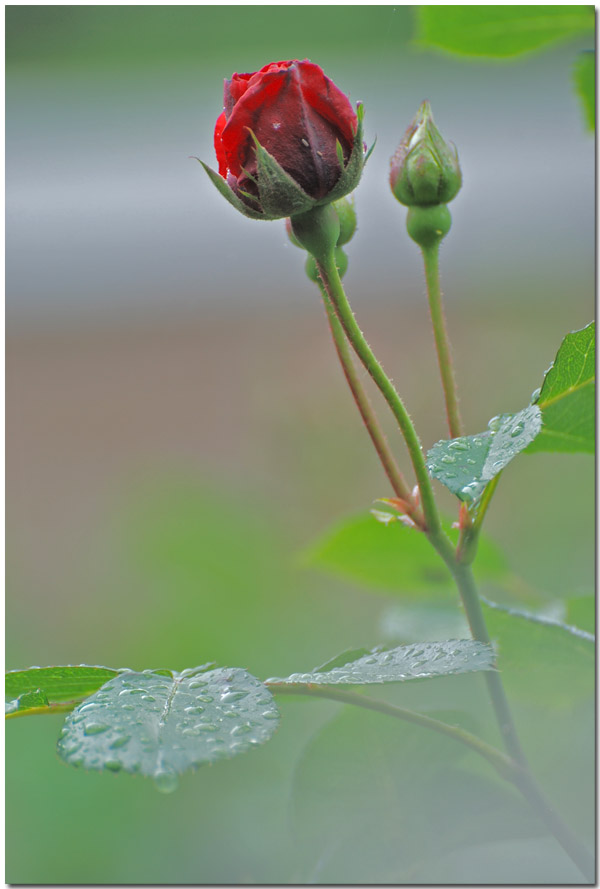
[
  {"x": 335, "y": 291},
  {"x": 365, "y": 409},
  {"x": 461, "y": 573},
  {"x": 442, "y": 343}
]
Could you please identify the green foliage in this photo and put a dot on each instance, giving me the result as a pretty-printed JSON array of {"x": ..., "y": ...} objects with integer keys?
[
  {"x": 394, "y": 558},
  {"x": 421, "y": 661},
  {"x": 585, "y": 85},
  {"x": 51, "y": 685},
  {"x": 378, "y": 801},
  {"x": 500, "y": 31},
  {"x": 567, "y": 396},
  {"x": 160, "y": 727},
  {"x": 541, "y": 660},
  {"x": 466, "y": 465}
]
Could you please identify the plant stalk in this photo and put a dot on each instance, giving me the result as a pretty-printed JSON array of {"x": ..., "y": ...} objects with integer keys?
[
  {"x": 502, "y": 763},
  {"x": 442, "y": 343},
  {"x": 335, "y": 291},
  {"x": 367, "y": 413}
]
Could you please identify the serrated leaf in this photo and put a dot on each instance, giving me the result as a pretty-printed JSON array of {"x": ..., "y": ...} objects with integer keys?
[
  {"x": 56, "y": 684},
  {"x": 466, "y": 465},
  {"x": 567, "y": 396},
  {"x": 499, "y": 31},
  {"x": 394, "y": 558},
  {"x": 421, "y": 661},
  {"x": 585, "y": 85},
  {"x": 160, "y": 727},
  {"x": 541, "y": 659}
]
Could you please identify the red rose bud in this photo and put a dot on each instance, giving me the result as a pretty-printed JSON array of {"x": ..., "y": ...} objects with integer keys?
[
  {"x": 425, "y": 169},
  {"x": 287, "y": 141}
]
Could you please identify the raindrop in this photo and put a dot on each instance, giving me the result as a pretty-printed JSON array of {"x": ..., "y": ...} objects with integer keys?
[
  {"x": 230, "y": 696},
  {"x": 91, "y": 706},
  {"x": 535, "y": 396},
  {"x": 470, "y": 461},
  {"x": 270, "y": 714},
  {"x": 128, "y": 707},
  {"x": 112, "y": 765},
  {"x": 276, "y": 125},
  {"x": 450, "y": 474},
  {"x": 458, "y": 445},
  {"x": 495, "y": 424},
  {"x": 241, "y": 729},
  {"x": 194, "y": 710},
  {"x": 206, "y": 699},
  {"x": 166, "y": 781},
  {"x": 206, "y": 727},
  {"x": 94, "y": 728},
  {"x": 517, "y": 430},
  {"x": 147, "y": 698},
  {"x": 120, "y": 742},
  {"x": 197, "y": 683},
  {"x": 448, "y": 458}
]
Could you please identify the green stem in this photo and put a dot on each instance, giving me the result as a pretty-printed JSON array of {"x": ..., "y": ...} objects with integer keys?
[
  {"x": 335, "y": 291},
  {"x": 365, "y": 409},
  {"x": 442, "y": 343},
  {"x": 502, "y": 763}
]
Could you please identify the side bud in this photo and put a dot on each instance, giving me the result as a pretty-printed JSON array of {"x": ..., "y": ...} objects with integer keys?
[{"x": 425, "y": 169}]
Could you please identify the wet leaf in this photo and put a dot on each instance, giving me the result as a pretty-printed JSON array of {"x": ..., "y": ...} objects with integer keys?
[
  {"x": 55, "y": 684},
  {"x": 160, "y": 727},
  {"x": 567, "y": 396},
  {"x": 420, "y": 661},
  {"x": 466, "y": 465}
]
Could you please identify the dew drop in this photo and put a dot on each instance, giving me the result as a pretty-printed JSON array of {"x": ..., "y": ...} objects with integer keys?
[
  {"x": 194, "y": 710},
  {"x": 113, "y": 765},
  {"x": 95, "y": 728},
  {"x": 270, "y": 714},
  {"x": 197, "y": 683},
  {"x": 448, "y": 458},
  {"x": 458, "y": 445},
  {"x": 535, "y": 396},
  {"x": 230, "y": 696},
  {"x": 128, "y": 707},
  {"x": 206, "y": 699},
  {"x": 166, "y": 781},
  {"x": 517, "y": 430},
  {"x": 206, "y": 727},
  {"x": 147, "y": 698},
  {"x": 241, "y": 729},
  {"x": 120, "y": 742},
  {"x": 494, "y": 424}
]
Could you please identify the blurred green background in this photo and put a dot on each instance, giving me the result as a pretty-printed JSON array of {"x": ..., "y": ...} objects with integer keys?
[{"x": 178, "y": 429}]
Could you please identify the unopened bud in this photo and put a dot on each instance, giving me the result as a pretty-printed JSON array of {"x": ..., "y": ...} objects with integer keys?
[{"x": 425, "y": 169}]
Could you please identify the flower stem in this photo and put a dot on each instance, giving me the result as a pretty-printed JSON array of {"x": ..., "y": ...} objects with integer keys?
[
  {"x": 335, "y": 291},
  {"x": 442, "y": 343},
  {"x": 367, "y": 413}
]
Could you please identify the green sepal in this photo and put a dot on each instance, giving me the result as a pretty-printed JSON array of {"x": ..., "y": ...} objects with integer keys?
[
  {"x": 227, "y": 193},
  {"x": 279, "y": 194},
  {"x": 350, "y": 175}
]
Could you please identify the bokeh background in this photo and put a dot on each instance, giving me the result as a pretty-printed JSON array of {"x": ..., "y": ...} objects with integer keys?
[{"x": 178, "y": 429}]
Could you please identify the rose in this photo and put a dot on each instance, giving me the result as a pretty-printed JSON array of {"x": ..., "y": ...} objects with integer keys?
[{"x": 288, "y": 140}]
